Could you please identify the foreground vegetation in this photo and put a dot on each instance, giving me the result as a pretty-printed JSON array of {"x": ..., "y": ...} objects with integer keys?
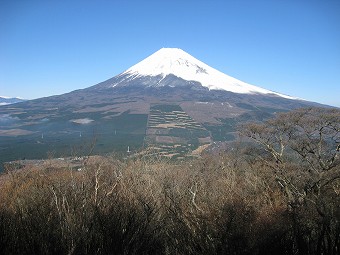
[{"x": 280, "y": 195}]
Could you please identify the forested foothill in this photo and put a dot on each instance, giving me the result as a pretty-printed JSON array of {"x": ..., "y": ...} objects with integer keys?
[{"x": 274, "y": 191}]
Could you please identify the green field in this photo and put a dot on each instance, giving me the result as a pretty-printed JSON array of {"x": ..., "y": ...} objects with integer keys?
[
  {"x": 59, "y": 137},
  {"x": 57, "y": 132}
]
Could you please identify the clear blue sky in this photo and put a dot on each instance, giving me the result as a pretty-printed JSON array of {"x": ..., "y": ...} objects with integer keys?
[{"x": 52, "y": 47}]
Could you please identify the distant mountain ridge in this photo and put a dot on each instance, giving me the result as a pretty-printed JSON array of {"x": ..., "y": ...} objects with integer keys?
[{"x": 10, "y": 100}]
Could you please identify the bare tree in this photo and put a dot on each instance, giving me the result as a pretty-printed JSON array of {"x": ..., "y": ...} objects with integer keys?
[{"x": 301, "y": 149}]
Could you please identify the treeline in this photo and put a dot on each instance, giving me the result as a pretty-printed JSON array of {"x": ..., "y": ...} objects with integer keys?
[{"x": 279, "y": 195}]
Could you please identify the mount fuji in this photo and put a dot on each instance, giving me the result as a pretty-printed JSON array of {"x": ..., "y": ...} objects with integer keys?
[{"x": 169, "y": 101}]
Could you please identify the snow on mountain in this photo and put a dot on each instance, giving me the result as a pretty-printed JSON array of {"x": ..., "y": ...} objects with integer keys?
[{"x": 179, "y": 63}]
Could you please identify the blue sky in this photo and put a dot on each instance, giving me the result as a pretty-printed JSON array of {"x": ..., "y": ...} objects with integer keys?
[{"x": 53, "y": 47}]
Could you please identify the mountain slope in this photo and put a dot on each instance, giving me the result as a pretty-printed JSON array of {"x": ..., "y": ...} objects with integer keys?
[{"x": 170, "y": 102}]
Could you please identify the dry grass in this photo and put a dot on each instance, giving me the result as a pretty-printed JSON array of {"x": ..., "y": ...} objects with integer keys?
[
  {"x": 279, "y": 197},
  {"x": 147, "y": 205}
]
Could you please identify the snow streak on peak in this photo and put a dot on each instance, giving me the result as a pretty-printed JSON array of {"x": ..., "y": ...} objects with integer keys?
[{"x": 179, "y": 63}]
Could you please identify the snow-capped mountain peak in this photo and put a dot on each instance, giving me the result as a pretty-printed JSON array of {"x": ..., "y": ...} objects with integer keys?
[
  {"x": 169, "y": 61},
  {"x": 181, "y": 64}
]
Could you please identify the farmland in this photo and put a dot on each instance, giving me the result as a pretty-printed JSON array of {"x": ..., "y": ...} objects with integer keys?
[{"x": 171, "y": 132}]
